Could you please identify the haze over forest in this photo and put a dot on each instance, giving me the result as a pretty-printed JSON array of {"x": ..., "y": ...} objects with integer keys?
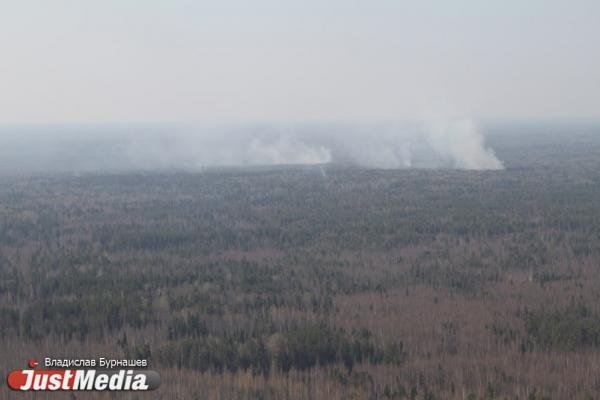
[{"x": 458, "y": 144}]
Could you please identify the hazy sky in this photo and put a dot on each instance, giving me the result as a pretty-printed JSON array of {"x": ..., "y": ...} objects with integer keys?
[{"x": 237, "y": 60}]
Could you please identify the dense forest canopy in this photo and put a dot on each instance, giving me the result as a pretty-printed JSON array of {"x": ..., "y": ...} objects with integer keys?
[{"x": 324, "y": 281}]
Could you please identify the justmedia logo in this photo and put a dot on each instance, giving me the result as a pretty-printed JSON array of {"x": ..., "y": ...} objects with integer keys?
[{"x": 82, "y": 379}]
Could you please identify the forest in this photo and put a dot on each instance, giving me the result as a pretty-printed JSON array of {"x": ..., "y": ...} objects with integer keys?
[{"x": 315, "y": 282}]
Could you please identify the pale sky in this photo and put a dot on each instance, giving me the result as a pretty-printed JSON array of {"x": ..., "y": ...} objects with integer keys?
[{"x": 308, "y": 60}]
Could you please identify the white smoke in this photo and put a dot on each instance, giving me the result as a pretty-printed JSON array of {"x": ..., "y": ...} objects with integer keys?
[
  {"x": 453, "y": 144},
  {"x": 285, "y": 149},
  {"x": 462, "y": 142}
]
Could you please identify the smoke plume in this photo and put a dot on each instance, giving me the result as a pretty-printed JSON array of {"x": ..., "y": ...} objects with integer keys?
[{"x": 454, "y": 144}]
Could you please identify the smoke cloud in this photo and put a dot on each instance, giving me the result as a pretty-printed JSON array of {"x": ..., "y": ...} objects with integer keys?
[{"x": 454, "y": 144}]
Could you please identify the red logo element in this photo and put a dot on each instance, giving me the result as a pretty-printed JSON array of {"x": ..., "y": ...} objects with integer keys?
[
  {"x": 52, "y": 380},
  {"x": 81, "y": 379},
  {"x": 89, "y": 379}
]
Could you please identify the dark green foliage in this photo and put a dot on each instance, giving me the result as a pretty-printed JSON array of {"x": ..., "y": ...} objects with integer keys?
[
  {"x": 572, "y": 327},
  {"x": 9, "y": 321},
  {"x": 298, "y": 348}
]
